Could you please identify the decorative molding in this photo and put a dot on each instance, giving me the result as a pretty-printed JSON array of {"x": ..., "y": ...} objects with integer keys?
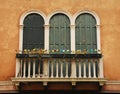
[
  {"x": 9, "y": 83},
  {"x": 72, "y": 27},
  {"x": 97, "y": 23},
  {"x": 94, "y": 14},
  {"x": 73, "y": 81},
  {"x": 6, "y": 83},
  {"x": 23, "y": 16},
  {"x": 59, "y": 11},
  {"x": 46, "y": 27},
  {"x": 113, "y": 82},
  {"x": 26, "y": 13},
  {"x": 72, "y": 19}
]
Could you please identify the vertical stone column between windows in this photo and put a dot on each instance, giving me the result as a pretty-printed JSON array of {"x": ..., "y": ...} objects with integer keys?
[
  {"x": 21, "y": 38},
  {"x": 46, "y": 38},
  {"x": 72, "y": 27},
  {"x": 98, "y": 37}
]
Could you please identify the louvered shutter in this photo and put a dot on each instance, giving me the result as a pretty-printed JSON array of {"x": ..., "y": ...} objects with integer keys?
[
  {"x": 59, "y": 35},
  {"x": 33, "y": 32},
  {"x": 85, "y": 32}
]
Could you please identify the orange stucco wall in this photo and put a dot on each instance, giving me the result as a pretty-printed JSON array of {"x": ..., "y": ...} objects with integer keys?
[{"x": 107, "y": 10}]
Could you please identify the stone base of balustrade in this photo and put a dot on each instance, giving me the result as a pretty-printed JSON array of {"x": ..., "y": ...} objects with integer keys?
[{"x": 45, "y": 81}]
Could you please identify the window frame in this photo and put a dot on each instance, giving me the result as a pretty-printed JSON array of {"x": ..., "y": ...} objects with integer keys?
[
  {"x": 72, "y": 19},
  {"x": 48, "y": 23},
  {"x": 85, "y": 32},
  {"x": 97, "y": 24},
  {"x": 68, "y": 44},
  {"x": 33, "y": 31},
  {"x": 21, "y": 24}
]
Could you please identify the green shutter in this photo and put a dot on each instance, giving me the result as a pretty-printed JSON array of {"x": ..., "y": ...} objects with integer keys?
[
  {"x": 59, "y": 35},
  {"x": 85, "y": 32},
  {"x": 33, "y": 37},
  {"x": 33, "y": 32}
]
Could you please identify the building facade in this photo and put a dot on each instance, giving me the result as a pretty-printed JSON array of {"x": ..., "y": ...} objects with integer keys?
[{"x": 59, "y": 45}]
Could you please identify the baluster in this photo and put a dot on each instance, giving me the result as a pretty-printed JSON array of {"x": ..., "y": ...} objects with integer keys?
[
  {"x": 100, "y": 64},
  {"x": 79, "y": 66},
  {"x": 33, "y": 69},
  {"x": 24, "y": 69},
  {"x": 45, "y": 67},
  {"x": 89, "y": 69},
  {"x": 57, "y": 68},
  {"x": 17, "y": 67},
  {"x": 28, "y": 68},
  {"x": 84, "y": 65},
  {"x": 49, "y": 68},
  {"x": 94, "y": 71},
  {"x": 73, "y": 74}
]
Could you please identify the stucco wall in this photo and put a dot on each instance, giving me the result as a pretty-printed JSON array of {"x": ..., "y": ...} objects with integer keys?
[{"x": 107, "y": 10}]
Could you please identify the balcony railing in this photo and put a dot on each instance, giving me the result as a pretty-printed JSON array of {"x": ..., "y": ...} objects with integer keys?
[{"x": 59, "y": 68}]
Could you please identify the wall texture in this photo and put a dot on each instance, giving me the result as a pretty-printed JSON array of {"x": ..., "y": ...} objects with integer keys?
[{"x": 107, "y": 10}]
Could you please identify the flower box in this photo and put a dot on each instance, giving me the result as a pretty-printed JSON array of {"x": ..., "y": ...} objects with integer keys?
[
  {"x": 27, "y": 55},
  {"x": 58, "y": 55}
]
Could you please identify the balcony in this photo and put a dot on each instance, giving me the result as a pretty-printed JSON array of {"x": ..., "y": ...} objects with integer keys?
[{"x": 59, "y": 68}]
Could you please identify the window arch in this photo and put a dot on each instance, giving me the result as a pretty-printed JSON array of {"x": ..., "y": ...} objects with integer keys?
[
  {"x": 85, "y": 32},
  {"x": 21, "y": 24},
  {"x": 33, "y": 31},
  {"x": 59, "y": 35}
]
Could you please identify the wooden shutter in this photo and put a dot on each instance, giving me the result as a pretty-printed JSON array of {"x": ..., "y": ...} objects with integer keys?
[
  {"x": 33, "y": 32},
  {"x": 59, "y": 35},
  {"x": 85, "y": 32}
]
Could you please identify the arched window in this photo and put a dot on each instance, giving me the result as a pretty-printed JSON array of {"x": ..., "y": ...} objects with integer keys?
[
  {"x": 85, "y": 32},
  {"x": 33, "y": 31},
  {"x": 59, "y": 36}
]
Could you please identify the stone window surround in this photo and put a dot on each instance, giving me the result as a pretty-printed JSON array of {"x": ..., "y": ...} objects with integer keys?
[{"x": 47, "y": 18}]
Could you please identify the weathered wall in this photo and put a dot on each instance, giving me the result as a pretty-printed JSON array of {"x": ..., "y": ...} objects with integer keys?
[{"x": 107, "y": 10}]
